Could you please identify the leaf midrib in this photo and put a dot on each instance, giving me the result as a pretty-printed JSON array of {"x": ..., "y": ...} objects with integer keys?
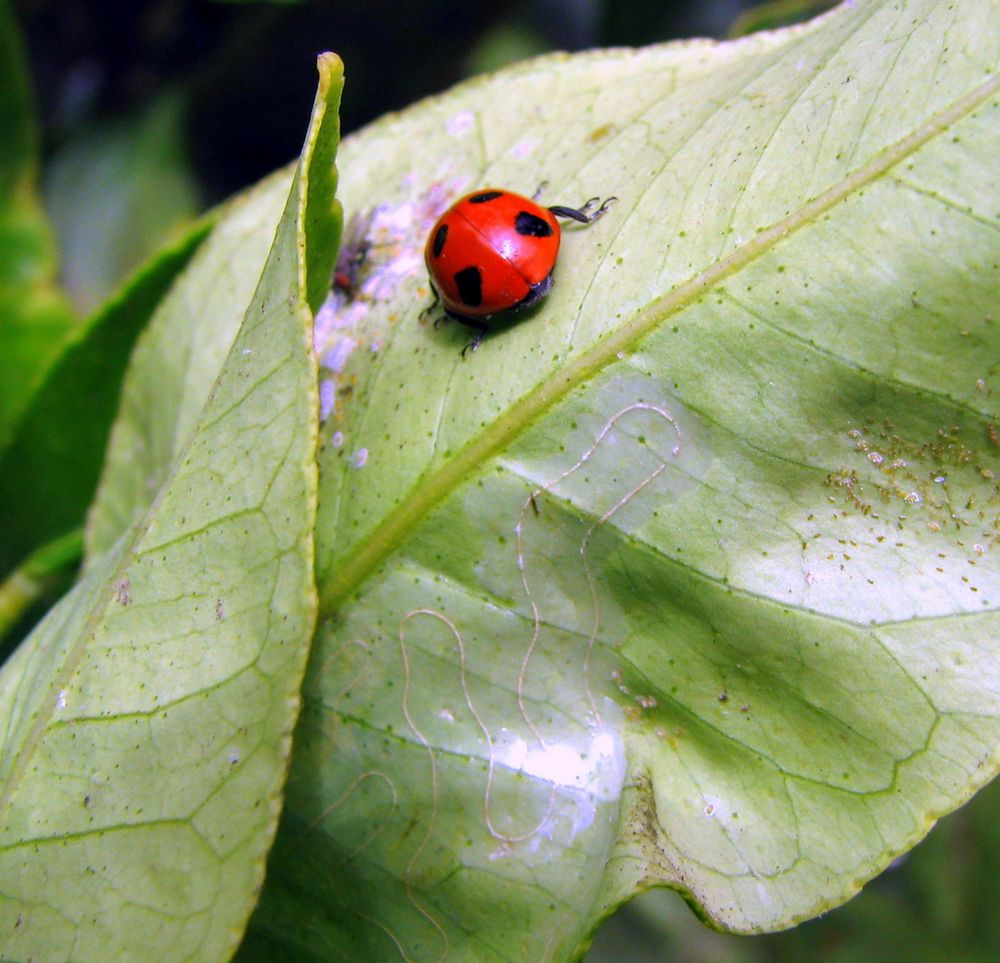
[{"x": 402, "y": 520}]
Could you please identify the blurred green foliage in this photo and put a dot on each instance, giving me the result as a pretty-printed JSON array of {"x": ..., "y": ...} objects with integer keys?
[
  {"x": 34, "y": 313},
  {"x": 777, "y": 13},
  {"x": 118, "y": 193}
]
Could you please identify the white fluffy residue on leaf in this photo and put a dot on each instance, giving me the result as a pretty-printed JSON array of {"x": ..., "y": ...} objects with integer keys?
[
  {"x": 336, "y": 358},
  {"x": 461, "y": 123},
  {"x": 524, "y": 148},
  {"x": 383, "y": 250},
  {"x": 327, "y": 398},
  {"x": 383, "y": 284}
]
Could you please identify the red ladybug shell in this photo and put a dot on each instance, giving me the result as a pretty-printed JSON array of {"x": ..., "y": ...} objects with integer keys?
[{"x": 492, "y": 251}]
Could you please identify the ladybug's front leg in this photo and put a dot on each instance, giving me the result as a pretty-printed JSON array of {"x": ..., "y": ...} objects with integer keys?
[{"x": 586, "y": 213}]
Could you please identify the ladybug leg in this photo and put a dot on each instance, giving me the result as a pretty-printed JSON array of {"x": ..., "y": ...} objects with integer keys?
[
  {"x": 540, "y": 190},
  {"x": 431, "y": 308},
  {"x": 481, "y": 328},
  {"x": 585, "y": 214}
]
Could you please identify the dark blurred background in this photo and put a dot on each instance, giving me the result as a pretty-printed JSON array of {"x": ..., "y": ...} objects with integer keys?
[
  {"x": 152, "y": 110},
  {"x": 248, "y": 69}
]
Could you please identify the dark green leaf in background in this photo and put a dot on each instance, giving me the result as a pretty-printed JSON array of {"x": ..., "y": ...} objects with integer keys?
[
  {"x": 776, "y": 13},
  {"x": 34, "y": 315},
  {"x": 61, "y": 379},
  {"x": 49, "y": 471}
]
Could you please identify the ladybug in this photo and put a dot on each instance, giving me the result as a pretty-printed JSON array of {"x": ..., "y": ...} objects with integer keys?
[{"x": 493, "y": 251}]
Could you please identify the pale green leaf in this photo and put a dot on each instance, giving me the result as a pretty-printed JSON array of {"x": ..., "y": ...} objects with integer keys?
[
  {"x": 689, "y": 578},
  {"x": 146, "y": 722},
  {"x": 178, "y": 357}
]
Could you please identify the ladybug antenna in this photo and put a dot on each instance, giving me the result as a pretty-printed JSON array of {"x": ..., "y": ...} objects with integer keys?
[{"x": 585, "y": 214}]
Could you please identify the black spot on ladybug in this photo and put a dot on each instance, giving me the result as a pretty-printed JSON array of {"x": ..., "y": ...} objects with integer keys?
[
  {"x": 440, "y": 236},
  {"x": 531, "y": 225},
  {"x": 469, "y": 282},
  {"x": 485, "y": 196}
]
